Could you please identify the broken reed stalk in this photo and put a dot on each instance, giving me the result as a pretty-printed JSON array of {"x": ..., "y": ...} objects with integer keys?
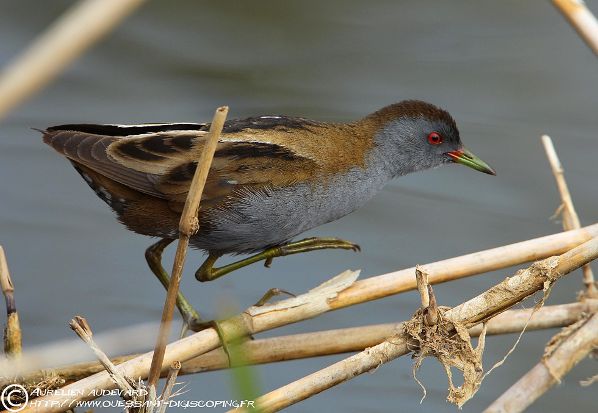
[
  {"x": 582, "y": 20},
  {"x": 421, "y": 280},
  {"x": 549, "y": 372},
  {"x": 12, "y": 332},
  {"x": 568, "y": 213},
  {"x": 429, "y": 306},
  {"x": 337, "y": 341},
  {"x": 494, "y": 301},
  {"x": 173, "y": 372},
  {"x": 80, "y": 326},
  {"x": 79, "y": 28},
  {"x": 188, "y": 226},
  {"x": 572, "y": 348}
]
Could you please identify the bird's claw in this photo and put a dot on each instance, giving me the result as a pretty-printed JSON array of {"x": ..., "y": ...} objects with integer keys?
[{"x": 272, "y": 292}]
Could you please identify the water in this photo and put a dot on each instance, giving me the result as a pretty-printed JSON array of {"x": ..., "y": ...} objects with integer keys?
[{"x": 507, "y": 71}]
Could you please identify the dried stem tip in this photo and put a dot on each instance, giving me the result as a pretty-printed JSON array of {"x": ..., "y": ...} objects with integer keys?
[
  {"x": 421, "y": 277},
  {"x": 81, "y": 327},
  {"x": 12, "y": 333},
  {"x": 428, "y": 299}
]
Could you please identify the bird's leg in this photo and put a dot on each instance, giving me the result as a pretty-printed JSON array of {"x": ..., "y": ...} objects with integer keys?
[
  {"x": 207, "y": 271},
  {"x": 271, "y": 293},
  {"x": 153, "y": 256}
]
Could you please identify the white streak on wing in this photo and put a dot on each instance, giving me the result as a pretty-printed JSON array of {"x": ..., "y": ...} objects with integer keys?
[
  {"x": 233, "y": 139},
  {"x": 141, "y": 125},
  {"x": 87, "y": 178},
  {"x": 167, "y": 134},
  {"x": 103, "y": 193}
]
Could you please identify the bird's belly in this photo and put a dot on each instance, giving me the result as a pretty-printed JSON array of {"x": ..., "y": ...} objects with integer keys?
[{"x": 273, "y": 217}]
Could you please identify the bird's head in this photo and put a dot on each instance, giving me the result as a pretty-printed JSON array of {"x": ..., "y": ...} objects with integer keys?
[{"x": 418, "y": 135}]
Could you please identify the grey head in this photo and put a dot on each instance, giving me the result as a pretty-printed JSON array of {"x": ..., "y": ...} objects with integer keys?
[{"x": 413, "y": 135}]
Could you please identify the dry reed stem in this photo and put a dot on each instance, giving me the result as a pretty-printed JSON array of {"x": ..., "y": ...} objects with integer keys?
[
  {"x": 188, "y": 226},
  {"x": 582, "y": 20},
  {"x": 12, "y": 332},
  {"x": 570, "y": 217},
  {"x": 337, "y": 341},
  {"x": 152, "y": 399},
  {"x": 541, "y": 275},
  {"x": 173, "y": 372},
  {"x": 80, "y": 27},
  {"x": 545, "y": 375},
  {"x": 464, "y": 266}
]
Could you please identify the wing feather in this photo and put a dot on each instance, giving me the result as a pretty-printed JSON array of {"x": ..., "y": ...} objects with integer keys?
[
  {"x": 162, "y": 163},
  {"x": 91, "y": 151}
]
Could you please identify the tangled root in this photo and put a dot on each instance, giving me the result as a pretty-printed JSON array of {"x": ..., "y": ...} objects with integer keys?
[{"x": 450, "y": 343}]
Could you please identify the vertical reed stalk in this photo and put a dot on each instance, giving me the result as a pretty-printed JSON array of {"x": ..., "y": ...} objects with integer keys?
[{"x": 188, "y": 226}]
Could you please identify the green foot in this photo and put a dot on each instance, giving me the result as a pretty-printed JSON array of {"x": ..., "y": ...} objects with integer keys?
[{"x": 207, "y": 271}]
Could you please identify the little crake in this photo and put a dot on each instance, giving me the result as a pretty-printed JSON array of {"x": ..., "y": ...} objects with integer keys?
[{"x": 273, "y": 177}]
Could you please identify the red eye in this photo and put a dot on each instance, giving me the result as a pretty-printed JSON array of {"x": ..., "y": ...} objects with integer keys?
[{"x": 434, "y": 138}]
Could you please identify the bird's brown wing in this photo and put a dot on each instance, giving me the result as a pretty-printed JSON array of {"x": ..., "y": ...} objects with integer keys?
[
  {"x": 91, "y": 148},
  {"x": 161, "y": 163}
]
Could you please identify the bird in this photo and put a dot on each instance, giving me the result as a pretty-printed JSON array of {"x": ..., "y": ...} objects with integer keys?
[{"x": 272, "y": 177}]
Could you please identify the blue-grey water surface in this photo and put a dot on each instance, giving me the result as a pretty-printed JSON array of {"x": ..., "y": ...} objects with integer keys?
[{"x": 508, "y": 71}]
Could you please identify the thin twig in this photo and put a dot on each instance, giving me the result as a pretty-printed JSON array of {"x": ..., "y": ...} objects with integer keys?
[
  {"x": 570, "y": 217},
  {"x": 12, "y": 332},
  {"x": 495, "y": 300},
  {"x": 152, "y": 399},
  {"x": 582, "y": 20},
  {"x": 188, "y": 226},
  {"x": 170, "y": 382},
  {"x": 79, "y": 28}
]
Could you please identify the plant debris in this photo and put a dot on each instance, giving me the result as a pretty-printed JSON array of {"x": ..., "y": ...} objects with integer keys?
[{"x": 450, "y": 343}]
